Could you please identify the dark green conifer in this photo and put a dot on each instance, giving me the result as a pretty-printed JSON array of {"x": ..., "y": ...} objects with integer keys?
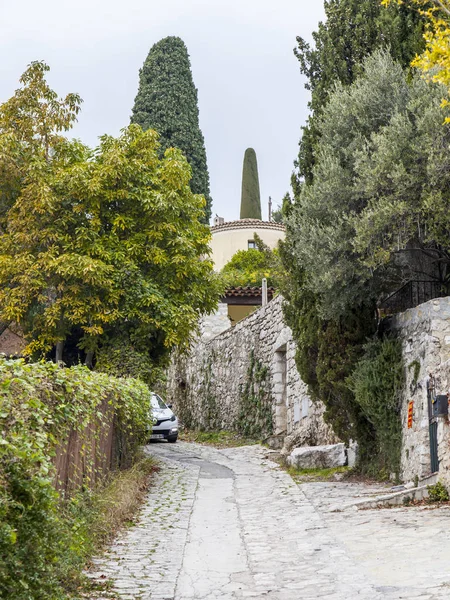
[
  {"x": 167, "y": 101},
  {"x": 250, "y": 196},
  {"x": 353, "y": 29}
]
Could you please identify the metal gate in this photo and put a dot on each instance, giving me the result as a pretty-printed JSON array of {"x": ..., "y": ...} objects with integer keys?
[{"x": 431, "y": 393}]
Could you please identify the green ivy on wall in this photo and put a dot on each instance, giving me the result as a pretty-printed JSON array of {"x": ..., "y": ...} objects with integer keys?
[
  {"x": 40, "y": 406},
  {"x": 209, "y": 409},
  {"x": 255, "y": 417}
]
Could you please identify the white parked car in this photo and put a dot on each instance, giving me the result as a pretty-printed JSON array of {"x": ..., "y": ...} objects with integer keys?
[{"x": 165, "y": 423}]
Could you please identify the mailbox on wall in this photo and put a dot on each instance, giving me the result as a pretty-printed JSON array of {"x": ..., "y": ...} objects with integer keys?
[{"x": 440, "y": 406}]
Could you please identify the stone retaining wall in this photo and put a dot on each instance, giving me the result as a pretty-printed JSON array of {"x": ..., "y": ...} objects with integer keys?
[
  {"x": 425, "y": 334},
  {"x": 210, "y": 387}
]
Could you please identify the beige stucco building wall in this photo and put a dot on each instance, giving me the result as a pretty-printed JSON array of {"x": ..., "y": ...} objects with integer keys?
[{"x": 230, "y": 237}]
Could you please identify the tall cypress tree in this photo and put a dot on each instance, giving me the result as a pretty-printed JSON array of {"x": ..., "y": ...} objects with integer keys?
[
  {"x": 353, "y": 29},
  {"x": 250, "y": 195},
  {"x": 167, "y": 102}
]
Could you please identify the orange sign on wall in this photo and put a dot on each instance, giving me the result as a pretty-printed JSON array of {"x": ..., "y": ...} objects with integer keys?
[{"x": 410, "y": 414}]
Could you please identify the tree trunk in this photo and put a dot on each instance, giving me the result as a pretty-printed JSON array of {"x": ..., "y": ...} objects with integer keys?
[
  {"x": 89, "y": 358},
  {"x": 59, "y": 352}
]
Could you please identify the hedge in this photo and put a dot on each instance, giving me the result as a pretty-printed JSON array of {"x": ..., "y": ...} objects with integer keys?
[{"x": 42, "y": 407}]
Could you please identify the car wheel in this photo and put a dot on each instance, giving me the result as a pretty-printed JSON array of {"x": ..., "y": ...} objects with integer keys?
[{"x": 172, "y": 439}]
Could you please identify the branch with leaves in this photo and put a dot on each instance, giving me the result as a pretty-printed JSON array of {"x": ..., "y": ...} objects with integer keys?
[{"x": 435, "y": 60}]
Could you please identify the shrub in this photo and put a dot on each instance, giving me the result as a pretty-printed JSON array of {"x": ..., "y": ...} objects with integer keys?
[
  {"x": 121, "y": 359},
  {"x": 249, "y": 267},
  {"x": 438, "y": 493},
  {"x": 377, "y": 382},
  {"x": 40, "y": 405}
]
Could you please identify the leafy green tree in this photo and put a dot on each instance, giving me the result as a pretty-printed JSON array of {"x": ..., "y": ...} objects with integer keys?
[
  {"x": 435, "y": 60},
  {"x": 250, "y": 267},
  {"x": 330, "y": 321},
  {"x": 105, "y": 242},
  {"x": 31, "y": 123},
  {"x": 403, "y": 175},
  {"x": 250, "y": 195},
  {"x": 167, "y": 102},
  {"x": 327, "y": 353},
  {"x": 373, "y": 216},
  {"x": 380, "y": 189},
  {"x": 246, "y": 268},
  {"x": 353, "y": 29},
  {"x": 321, "y": 219}
]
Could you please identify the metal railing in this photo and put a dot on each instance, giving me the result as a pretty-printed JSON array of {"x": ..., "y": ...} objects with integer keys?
[{"x": 411, "y": 295}]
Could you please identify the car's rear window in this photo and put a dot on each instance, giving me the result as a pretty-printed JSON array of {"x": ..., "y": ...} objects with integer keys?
[{"x": 157, "y": 402}]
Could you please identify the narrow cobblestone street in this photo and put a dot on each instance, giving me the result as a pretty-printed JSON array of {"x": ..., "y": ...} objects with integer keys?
[{"x": 229, "y": 524}]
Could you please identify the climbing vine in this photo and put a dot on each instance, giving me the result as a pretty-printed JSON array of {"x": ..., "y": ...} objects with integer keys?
[
  {"x": 255, "y": 417},
  {"x": 210, "y": 413},
  {"x": 41, "y": 405}
]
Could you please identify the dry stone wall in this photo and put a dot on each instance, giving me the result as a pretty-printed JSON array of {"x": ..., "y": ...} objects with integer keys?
[
  {"x": 245, "y": 379},
  {"x": 248, "y": 374},
  {"x": 425, "y": 335}
]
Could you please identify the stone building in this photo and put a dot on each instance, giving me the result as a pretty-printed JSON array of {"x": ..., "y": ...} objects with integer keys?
[{"x": 229, "y": 237}]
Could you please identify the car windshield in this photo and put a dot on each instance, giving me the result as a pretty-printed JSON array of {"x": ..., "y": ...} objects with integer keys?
[{"x": 157, "y": 402}]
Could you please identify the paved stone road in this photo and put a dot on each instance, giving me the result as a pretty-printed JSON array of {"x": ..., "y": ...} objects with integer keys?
[{"x": 228, "y": 524}]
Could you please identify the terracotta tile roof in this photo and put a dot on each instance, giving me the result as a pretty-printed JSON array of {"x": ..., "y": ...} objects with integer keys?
[
  {"x": 248, "y": 291},
  {"x": 248, "y": 224}
]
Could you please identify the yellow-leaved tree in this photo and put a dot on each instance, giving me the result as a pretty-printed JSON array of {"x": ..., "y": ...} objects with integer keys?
[
  {"x": 98, "y": 248},
  {"x": 435, "y": 60}
]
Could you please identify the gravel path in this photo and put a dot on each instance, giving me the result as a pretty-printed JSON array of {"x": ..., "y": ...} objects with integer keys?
[{"x": 229, "y": 524}]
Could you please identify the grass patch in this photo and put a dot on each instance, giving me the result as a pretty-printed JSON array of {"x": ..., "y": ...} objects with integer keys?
[
  {"x": 311, "y": 475},
  {"x": 218, "y": 439},
  {"x": 95, "y": 518}
]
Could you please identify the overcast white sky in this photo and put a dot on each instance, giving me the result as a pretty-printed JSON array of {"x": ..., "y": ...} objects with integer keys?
[{"x": 250, "y": 90}]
